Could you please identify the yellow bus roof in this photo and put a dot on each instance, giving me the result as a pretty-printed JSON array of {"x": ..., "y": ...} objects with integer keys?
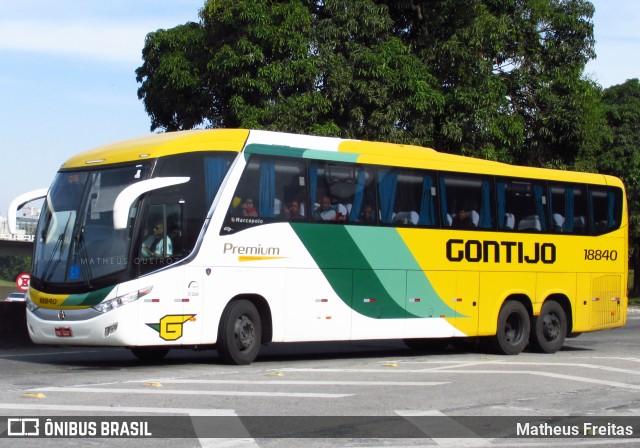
[
  {"x": 160, "y": 145},
  {"x": 426, "y": 158}
]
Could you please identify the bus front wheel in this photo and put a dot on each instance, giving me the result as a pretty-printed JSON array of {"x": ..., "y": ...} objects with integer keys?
[
  {"x": 240, "y": 333},
  {"x": 513, "y": 329},
  {"x": 549, "y": 329}
]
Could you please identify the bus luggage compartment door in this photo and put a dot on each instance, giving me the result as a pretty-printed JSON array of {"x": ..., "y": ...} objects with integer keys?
[{"x": 606, "y": 293}]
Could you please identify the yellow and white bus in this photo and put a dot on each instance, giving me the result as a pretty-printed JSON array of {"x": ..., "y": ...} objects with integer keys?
[{"x": 230, "y": 239}]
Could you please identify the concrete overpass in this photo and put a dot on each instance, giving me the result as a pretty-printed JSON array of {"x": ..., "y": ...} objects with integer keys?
[{"x": 16, "y": 247}]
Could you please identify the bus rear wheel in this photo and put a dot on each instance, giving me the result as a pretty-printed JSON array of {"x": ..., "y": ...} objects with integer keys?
[
  {"x": 240, "y": 333},
  {"x": 549, "y": 329},
  {"x": 513, "y": 329}
]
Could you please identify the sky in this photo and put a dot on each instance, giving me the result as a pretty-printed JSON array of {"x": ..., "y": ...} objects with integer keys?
[{"x": 67, "y": 75}]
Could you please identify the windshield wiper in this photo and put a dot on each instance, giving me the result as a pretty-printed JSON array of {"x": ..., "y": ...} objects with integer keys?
[
  {"x": 59, "y": 243},
  {"x": 53, "y": 253},
  {"x": 82, "y": 251}
]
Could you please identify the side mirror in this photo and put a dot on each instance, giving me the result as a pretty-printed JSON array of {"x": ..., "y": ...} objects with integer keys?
[
  {"x": 126, "y": 197},
  {"x": 19, "y": 202}
]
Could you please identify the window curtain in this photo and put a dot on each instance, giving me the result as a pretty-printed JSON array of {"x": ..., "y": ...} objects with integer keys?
[
  {"x": 215, "y": 169},
  {"x": 313, "y": 188},
  {"x": 538, "y": 192},
  {"x": 611, "y": 206},
  {"x": 501, "y": 202},
  {"x": 359, "y": 196},
  {"x": 387, "y": 188},
  {"x": 485, "y": 206},
  {"x": 427, "y": 206},
  {"x": 267, "y": 193},
  {"x": 592, "y": 219},
  {"x": 569, "y": 209},
  {"x": 442, "y": 191}
]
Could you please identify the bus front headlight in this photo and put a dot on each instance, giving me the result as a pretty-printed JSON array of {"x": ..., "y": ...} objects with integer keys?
[
  {"x": 117, "y": 302},
  {"x": 30, "y": 305}
]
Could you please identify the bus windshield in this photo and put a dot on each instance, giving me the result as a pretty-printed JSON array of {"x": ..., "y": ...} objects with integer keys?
[{"x": 76, "y": 241}]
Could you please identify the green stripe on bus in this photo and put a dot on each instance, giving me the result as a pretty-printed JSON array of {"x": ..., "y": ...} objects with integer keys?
[
  {"x": 274, "y": 150},
  {"x": 331, "y": 156},
  {"x": 289, "y": 151},
  {"x": 394, "y": 254},
  {"x": 368, "y": 277},
  {"x": 89, "y": 298}
]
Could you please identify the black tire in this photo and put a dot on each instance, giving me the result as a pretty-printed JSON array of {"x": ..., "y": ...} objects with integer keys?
[
  {"x": 240, "y": 333},
  {"x": 428, "y": 344},
  {"x": 150, "y": 354},
  {"x": 513, "y": 329},
  {"x": 549, "y": 329}
]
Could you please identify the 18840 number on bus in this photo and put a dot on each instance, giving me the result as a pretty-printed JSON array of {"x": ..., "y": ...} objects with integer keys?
[{"x": 597, "y": 255}]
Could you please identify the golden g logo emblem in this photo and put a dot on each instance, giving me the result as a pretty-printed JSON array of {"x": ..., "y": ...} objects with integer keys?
[{"x": 170, "y": 326}]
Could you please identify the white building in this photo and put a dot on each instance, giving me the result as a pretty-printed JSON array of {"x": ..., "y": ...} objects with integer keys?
[{"x": 26, "y": 225}]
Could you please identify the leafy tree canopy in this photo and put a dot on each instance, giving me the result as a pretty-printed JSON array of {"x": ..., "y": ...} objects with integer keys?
[
  {"x": 11, "y": 266},
  {"x": 620, "y": 155},
  {"x": 499, "y": 79}
]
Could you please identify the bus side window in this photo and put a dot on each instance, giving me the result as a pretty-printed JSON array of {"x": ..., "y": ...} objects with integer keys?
[
  {"x": 605, "y": 205},
  {"x": 558, "y": 208},
  {"x": 568, "y": 207},
  {"x": 206, "y": 171},
  {"x": 362, "y": 207},
  {"x": 526, "y": 204},
  {"x": 466, "y": 202},
  {"x": 174, "y": 228},
  {"x": 272, "y": 188},
  {"x": 156, "y": 243},
  {"x": 580, "y": 211},
  {"x": 342, "y": 193},
  {"x": 506, "y": 216},
  {"x": 415, "y": 201}
]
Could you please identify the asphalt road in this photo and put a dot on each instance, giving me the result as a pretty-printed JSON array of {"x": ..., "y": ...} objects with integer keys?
[{"x": 374, "y": 393}]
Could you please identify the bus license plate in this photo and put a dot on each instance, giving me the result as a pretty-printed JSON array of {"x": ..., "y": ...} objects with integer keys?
[{"x": 64, "y": 332}]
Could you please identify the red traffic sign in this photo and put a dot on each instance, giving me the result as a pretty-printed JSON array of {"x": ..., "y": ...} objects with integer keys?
[{"x": 22, "y": 281}]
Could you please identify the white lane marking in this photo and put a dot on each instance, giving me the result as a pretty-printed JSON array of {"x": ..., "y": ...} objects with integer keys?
[
  {"x": 483, "y": 372},
  {"x": 306, "y": 383},
  {"x": 467, "y": 438},
  {"x": 620, "y": 358},
  {"x": 534, "y": 364},
  {"x": 490, "y": 362},
  {"x": 233, "y": 393},
  {"x": 118, "y": 409}
]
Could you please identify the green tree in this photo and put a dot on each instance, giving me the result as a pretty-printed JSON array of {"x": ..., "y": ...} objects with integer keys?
[
  {"x": 11, "y": 266},
  {"x": 376, "y": 87},
  {"x": 174, "y": 78},
  {"x": 260, "y": 68},
  {"x": 498, "y": 79},
  {"x": 510, "y": 72},
  {"x": 620, "y": 155},
  {"x": 331, "y": 68}
]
